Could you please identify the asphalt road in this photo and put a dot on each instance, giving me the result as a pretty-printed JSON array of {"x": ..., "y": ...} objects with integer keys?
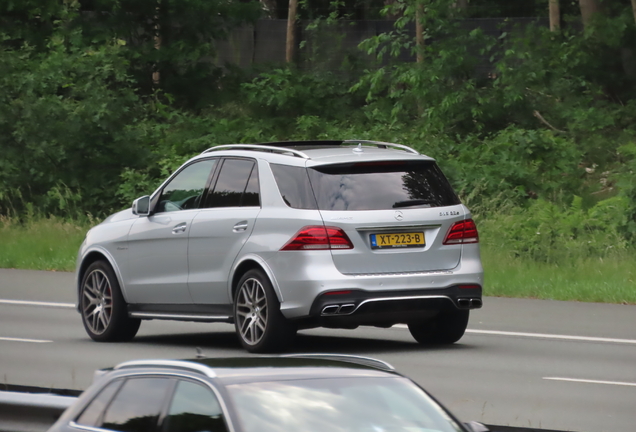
[{"x": 529, "y": 363}]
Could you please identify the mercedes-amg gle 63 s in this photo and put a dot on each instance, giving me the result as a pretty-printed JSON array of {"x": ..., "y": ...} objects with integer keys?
[{"x": 284, "y": 236}]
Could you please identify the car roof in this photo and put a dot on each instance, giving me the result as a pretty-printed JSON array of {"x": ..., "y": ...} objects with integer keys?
[
  {"x": 233, "y": 370},
  {"x": 318, "y": 152}
]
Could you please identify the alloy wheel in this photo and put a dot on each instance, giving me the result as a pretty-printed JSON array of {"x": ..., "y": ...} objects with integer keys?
[
  {"x": 251, "y": 311},
  {"x": 97, "y": 301}
]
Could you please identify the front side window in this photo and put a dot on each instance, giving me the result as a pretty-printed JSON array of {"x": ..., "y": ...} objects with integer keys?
[
  {"x": 339, "y": 405},
  {"x": 185, "y": 190},
  {"x": 194, "y": 408},
  {"x": 381, "y": 185},
  {"x": 236, "y": 186},
  {"x": 137, "y": 405}
]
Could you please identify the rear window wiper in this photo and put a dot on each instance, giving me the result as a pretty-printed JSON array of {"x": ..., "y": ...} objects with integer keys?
[{"x": 412, "y": 203}]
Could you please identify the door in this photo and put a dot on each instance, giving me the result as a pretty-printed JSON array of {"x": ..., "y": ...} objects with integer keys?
[
  {"x": 158, "y": 244},
  {"x": 220, "y": 230}
]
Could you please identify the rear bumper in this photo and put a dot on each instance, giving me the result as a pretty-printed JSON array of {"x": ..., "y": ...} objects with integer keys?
[
  {"x": 304, "y": 287},
  {"x": 386, "y": 308},
  {"x": 339, "y": 303}
]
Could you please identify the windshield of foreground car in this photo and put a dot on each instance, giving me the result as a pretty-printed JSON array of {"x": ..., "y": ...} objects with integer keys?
[{"x": 338, "y": 405}]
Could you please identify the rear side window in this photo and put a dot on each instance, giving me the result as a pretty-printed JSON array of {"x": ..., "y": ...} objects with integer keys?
[
  {"x": 237, "y": 185},
  {"x": 294, "y": 186},
  {"x": 381, "y": 185}
]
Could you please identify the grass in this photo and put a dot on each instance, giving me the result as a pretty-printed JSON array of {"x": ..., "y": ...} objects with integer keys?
[
  {"x": 40, "y": 243},
  {"x": 609, "y": 280},
  {"x": 52, "y": 244}
]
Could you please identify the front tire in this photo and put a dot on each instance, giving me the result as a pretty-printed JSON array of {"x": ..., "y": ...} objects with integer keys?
[
  {"x": 260, "y": 325},
  {"x": 102, "y": 306},
  {"x": 445, "y": 328}
]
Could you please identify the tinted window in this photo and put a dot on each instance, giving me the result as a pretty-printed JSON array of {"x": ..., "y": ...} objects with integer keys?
[
  {"x": 251, "y": 196},
  {"x": 233, "y": 183},
  {"x": 137, "y": 405},
  {"x": 338, "y": 405},
  {"x": 194, "y": 408},
  {"x": 186, "y": 189},
  {"x": 381, "y": 185},
  {"x": 294, "y": 186},
  {"x": 92, "y": 413}
]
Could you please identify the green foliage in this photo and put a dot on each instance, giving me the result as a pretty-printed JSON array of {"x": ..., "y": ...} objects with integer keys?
[
  {"x": 626, "y": 182},
  {"x": 288, "y": 92},
  {"x": 516, "y": 164},
  {"x": 175, "y": 38},
  {"x": 67, "y": 119},
  {"x": 551, "y": 233},
  {"x": 534, "y": 129},
  {"x": 172, "y": 37}
]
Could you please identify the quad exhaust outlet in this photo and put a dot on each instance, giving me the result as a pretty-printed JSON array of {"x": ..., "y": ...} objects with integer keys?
[
  {"x": 345, "y": 309},
  {"x": 469, "y": 303}
]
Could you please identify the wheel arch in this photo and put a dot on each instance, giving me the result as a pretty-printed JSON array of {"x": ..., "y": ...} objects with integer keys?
[
  {"x": 249, "y": 263},
  {"x": 91, "y": 256}
]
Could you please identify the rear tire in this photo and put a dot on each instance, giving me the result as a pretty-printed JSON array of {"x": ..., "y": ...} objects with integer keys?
[
  {"x": 102, "y": 306},
  {"x": 445, "y": 328},
  {"x": 260, "y": 325}
]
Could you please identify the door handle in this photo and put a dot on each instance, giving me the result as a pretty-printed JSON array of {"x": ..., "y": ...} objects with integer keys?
[
  {"x": 179, "y": 228},
  {"x": 241, "y": 226}
]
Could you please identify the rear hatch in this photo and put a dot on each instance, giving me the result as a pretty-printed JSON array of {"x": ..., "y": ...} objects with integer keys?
[{"x": 396, "y": 214}]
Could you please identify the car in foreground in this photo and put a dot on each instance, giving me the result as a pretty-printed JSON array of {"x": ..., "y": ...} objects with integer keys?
[
  {"x": 284, "y": 236},
  {"x": 310, "y": 393}
]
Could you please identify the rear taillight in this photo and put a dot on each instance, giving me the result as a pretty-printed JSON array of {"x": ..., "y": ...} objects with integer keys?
[
  {"x": 318, "y": 238},
  {"x": 462, "y": 232}
]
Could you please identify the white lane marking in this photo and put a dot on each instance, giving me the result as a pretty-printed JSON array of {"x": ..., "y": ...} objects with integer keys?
[
  {"x": 8, "y": 339},
  {"x": 619, "y": 383},
  {"x": 37, "y": 303},
  {"x": 553, "y": 336},
  {"x": 544, "y": 336},
  {"x": 404, "y": 326}
]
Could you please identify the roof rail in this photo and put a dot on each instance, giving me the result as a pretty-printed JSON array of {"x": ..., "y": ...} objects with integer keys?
[
  {"x": 382, "y": 144},
  {"x": 259, "y": 147},
  {"x": 366, "y": 361},
  {"x": 179, "y": 364},
  {"x": 287, "y": 147}
]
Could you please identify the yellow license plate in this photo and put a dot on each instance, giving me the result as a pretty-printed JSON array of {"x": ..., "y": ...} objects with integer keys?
[{"x": 398, "y": 240}]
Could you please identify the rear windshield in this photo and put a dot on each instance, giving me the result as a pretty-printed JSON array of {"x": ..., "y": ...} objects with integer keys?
[{"x": 381, "y": 185}]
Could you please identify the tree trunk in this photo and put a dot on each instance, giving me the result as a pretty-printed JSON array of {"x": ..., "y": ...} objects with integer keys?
[
  {"x": 555, "y": 16},
  {"x": 291, "y": 31},
  {"x": 156, "y": 76},
  {"x": 634, "y": 9},
  {"x": 588, "y": 9},
  {"x": 419, "y": 31}
]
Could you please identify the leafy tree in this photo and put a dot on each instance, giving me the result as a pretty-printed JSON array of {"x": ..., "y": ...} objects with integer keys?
[
  {"x": 172, "y": 37},
  {"x": 67, "y": 125}
]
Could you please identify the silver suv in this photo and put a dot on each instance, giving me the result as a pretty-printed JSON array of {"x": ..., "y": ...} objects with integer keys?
[{"x": 284, "y": 236}]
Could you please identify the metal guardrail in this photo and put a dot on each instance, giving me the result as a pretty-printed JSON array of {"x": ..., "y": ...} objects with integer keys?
[{"x": 31, "y": 412}]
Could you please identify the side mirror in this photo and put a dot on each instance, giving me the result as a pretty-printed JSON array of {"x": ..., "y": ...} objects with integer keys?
[
  {"x": 141, "y": 206},
  {"x": 474, "y": 426}
]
